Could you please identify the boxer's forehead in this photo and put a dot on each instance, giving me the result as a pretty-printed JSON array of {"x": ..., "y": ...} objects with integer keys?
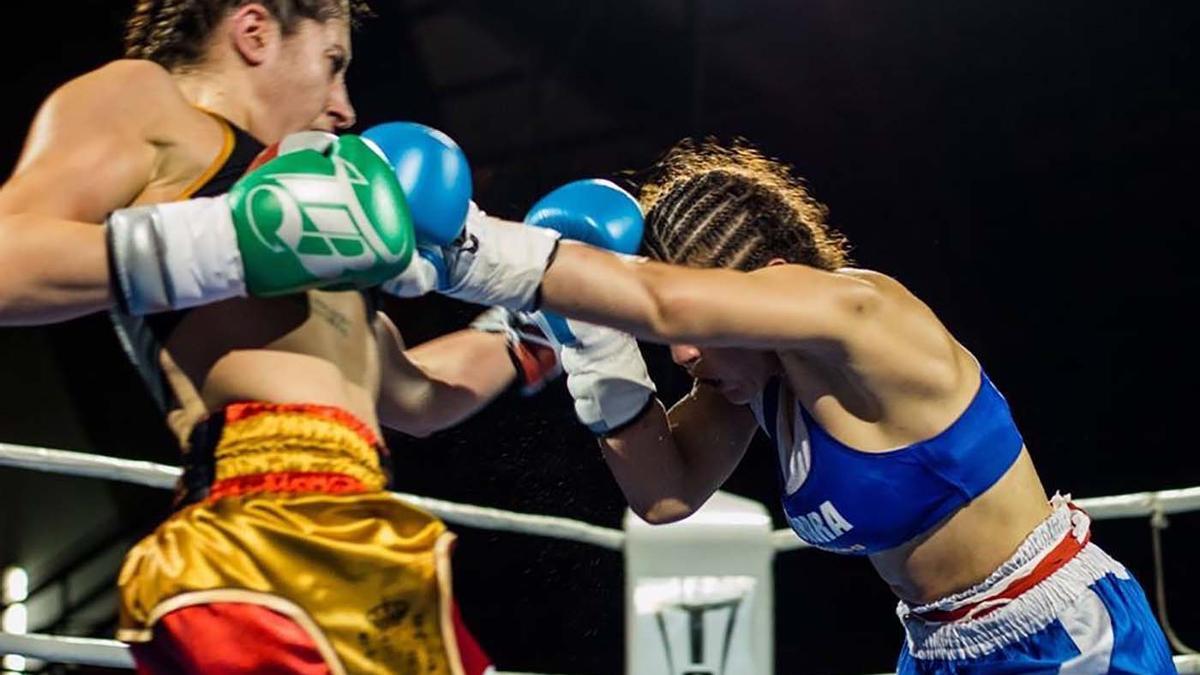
[
  {"x": 336, "y": 34},
  {"x": 335, "y": 41}
]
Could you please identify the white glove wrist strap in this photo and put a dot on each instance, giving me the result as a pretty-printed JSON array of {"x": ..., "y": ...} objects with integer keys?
[
  {"x": 175, "y": 256},
  {"x": 500, "y": 263}
]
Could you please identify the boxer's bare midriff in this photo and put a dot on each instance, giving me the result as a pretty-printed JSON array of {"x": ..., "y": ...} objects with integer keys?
[
  {"x": 315, "y": 347},
  {"x": 967, "y": 547}
]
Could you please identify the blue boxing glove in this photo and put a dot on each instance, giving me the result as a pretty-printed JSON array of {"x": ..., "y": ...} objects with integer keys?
[
  {"x": 434, "y": 174},
  {"x": 606, "y": 374},
  {"x": 593, "y": 211},
  {"x": 436, "y": 178},
  {"x": 461, "y": 252}
]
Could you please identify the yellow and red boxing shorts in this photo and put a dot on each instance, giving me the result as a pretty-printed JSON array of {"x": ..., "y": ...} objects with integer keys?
[{"x": 288, "y": 557}]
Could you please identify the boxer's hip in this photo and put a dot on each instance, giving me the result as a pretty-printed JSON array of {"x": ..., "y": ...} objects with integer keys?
[
  {"x": 1059, "y": 603},
  {"x": 293, "y": 519},
  {"x": 249, "y": 448}
]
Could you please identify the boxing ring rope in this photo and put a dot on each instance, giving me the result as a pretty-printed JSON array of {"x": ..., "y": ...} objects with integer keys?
[
  {"x": 72, "y": 650},
  {"x": 111, "y": 653},
  {"x": 86, "y": 651},
  {"x": 163, "y": 476}
]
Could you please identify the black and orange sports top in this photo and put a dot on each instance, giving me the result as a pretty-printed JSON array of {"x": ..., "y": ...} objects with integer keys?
[{"x": 143, "y": 337}]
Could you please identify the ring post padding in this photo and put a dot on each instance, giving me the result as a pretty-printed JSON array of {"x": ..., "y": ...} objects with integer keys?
[{"x": 698, "y": 592}]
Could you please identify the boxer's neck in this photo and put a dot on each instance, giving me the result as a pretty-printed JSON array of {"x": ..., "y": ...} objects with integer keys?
[{"x": 229, "y": 95}]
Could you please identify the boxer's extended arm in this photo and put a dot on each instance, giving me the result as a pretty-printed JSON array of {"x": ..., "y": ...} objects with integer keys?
[
  {"x": 669, "y": 464},
  {"x": 90, "y": 151},
  {"x": 439, "y": 383},
  {"x": 775, "y": 307},
  {"x": 846, "y": 315}
]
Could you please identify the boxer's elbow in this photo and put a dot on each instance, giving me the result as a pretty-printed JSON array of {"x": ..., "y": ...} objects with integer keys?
[
  {"x": 668, "y": 501},
  {"x": 419, "y": 431},
  {"x": 663, "y": 511},
  {"x": 7, "y": 277},
  {"x": 404, "y": 406},
  {"x": 418, "y": 425},
  {"x": 19, "y": 280},
  {"x": 412, "y": 426}
]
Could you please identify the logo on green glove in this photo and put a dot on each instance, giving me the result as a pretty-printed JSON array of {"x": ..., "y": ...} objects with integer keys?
[{"x": 329, "y": 232}]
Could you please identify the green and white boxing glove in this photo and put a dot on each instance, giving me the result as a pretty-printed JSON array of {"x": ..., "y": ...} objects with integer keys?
[{"x": 326, "y": 212}]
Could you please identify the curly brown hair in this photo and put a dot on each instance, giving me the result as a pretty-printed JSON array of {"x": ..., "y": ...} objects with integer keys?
[
  {"x": 175, "y": 33},
  {"x": 713, "y": 205}
]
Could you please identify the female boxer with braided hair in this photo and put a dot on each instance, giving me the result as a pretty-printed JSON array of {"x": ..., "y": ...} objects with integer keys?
[
  {"x": 741, "y": 211},
  {"x": 285, "y": 555},
  {"x": 892, "y": 442}
]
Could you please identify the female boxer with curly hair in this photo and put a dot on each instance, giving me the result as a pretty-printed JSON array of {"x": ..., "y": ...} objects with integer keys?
[{"x": 893, "y": 443}]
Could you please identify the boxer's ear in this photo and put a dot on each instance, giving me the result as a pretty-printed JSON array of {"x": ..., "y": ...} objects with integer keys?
[{"x": 254, "y": 33}]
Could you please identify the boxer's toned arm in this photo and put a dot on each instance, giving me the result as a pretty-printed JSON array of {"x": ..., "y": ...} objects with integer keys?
[
  {"x": 90, "y": 150},
  {"x": 669, "y": 464},
  {"x": 772, "y": 308},
  {"x": 439, "y": 383},
  {"x": 852, "y": 313}
]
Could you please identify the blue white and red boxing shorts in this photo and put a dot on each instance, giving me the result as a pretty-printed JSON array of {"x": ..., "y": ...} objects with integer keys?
[{"x": 1059, "y": 605}]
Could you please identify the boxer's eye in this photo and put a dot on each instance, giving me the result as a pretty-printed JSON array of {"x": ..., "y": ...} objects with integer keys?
[
  {"x": 338, "y": 59},
  {"x": 337, "y": 63}
]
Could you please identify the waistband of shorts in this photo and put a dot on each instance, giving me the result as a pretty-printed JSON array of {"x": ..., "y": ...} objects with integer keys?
[
  {"x": 252, "y": 447},
  {"x": 999, "y": 620}
]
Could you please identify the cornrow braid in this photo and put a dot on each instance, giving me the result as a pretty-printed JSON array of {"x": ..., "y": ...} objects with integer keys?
[
  {"x": 710, "y": 205},
  {"x": 175, "y": 33}
]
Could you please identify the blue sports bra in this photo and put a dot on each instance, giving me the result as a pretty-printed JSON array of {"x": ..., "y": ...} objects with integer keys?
[{"x": 848, "y": 501}]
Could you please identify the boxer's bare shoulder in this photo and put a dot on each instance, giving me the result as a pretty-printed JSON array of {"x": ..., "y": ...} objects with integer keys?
[{"x": 117, "y": 135}]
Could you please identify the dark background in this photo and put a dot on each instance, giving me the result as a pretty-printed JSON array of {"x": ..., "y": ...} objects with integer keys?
[{"x": 1026, "y": 167}]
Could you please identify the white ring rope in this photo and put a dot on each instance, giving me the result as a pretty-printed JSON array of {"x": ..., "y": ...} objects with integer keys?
[
  {"x": 83, "y": 651},
  {"x": 55, "y": 649},
  {"x": 84, "y": 464},
  {"x": 1099, "y": 508},
  {"x": 162, "y": 476},
  {"x": 111, "y": 653}
]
